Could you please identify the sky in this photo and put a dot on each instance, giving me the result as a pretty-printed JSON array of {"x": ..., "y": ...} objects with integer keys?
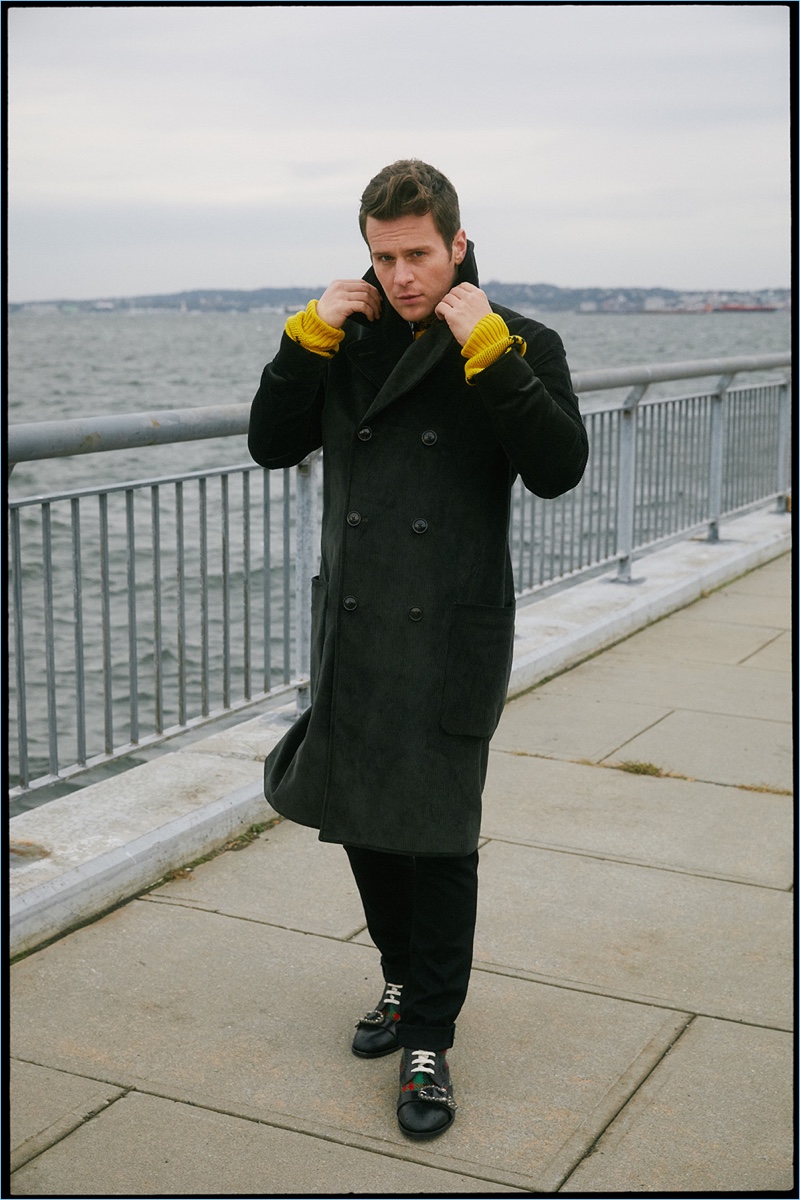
[{"x": 161, "y": 148}]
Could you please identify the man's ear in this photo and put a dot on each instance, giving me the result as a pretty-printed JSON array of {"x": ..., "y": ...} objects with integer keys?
[{"x": 460, "y": 246}]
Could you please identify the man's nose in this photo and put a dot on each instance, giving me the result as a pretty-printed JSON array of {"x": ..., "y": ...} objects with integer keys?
[{"x": 404, "y": 272}]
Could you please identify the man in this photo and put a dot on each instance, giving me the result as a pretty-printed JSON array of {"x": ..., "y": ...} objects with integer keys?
[{"x": 427, "y": 401}]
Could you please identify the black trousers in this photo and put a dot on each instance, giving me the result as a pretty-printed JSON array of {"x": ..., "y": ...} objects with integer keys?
[{"x": 420, "y": 913}]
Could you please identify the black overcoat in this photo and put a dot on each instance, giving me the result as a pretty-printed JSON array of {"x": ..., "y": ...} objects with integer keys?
[{"x": 413, "y": 609}]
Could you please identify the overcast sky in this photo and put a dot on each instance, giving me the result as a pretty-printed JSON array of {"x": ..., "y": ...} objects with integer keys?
[{"x": 157, "y": 148}]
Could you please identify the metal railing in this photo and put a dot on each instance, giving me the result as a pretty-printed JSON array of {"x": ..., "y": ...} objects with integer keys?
[{"x": 146, "y": 609}]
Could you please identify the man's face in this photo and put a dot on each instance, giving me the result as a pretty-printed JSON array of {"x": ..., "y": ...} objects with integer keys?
[{"x": 414, "y": 266}]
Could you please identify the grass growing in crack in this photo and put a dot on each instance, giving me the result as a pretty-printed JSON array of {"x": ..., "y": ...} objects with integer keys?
[
  {"x": 238, "y": 843},
  {"x": 764, "y": 789},
  {"x": 639, "y": 768}
]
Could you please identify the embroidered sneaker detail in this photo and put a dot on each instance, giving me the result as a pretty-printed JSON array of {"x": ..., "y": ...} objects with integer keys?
[
  {"x": 423, "y": 1063},
  {"x": 388, "y": 1008},
  {"x": 420, "y": 1077}
]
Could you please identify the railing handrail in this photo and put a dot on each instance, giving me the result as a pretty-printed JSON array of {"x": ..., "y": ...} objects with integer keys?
[
  {"x": 615, "y": 377},
  {"x": 36, "y": 440},
  {"x": 126, "y": 431},
  {"x": 109, "y": 489}
]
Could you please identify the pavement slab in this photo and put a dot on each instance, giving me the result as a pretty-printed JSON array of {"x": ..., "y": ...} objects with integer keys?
[
  {"x": 777, "y": 655},
  {"x": 747, "y": 603},
  {"x": 150, "y": 1146},
  {"x": 672, "y": 683},
  {"x": 700, "y": 828},
  {"x": 570, "y": 726},
  {"x": 228, "y": 1014},
  {"x": 269, "y": 880},
  {"x": 718, "y": 749},
  {"x": 715, "y": 1116},
  {"x": 691, "y": 639},
  {"x": 47, "y": 1105},
  {"x": 696, "y": 944}
]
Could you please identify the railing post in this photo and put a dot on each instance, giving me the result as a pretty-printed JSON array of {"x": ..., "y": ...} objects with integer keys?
[
  {"x": 19, "y": 648},
  {"x": 784, "y": 446},
  {"x": 716, "y": 465},
  {"x": 305, "y": 526},
  {"x": 626, "y": 485}
]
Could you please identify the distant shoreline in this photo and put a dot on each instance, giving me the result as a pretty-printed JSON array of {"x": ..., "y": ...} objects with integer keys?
[{"x": 543, "y": 297}]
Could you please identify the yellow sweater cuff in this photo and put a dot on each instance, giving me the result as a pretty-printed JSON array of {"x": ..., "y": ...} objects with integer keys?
[
  {"x": 489, "y": 340},
  {"x": 312, "y": 333}
]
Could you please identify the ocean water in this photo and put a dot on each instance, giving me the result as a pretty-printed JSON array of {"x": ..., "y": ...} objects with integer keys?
[
  {"x": 66, "y": 365},
  {"x": 63, "y": 365}
]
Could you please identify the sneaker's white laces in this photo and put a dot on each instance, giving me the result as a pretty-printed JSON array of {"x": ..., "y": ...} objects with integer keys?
[
  {"x": 423, "y": 1060},
  {"x": 391, "y": 993}
]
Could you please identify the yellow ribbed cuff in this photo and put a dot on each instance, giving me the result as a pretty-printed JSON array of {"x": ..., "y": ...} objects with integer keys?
[
  {"x": 489, "y": 340},
  {"x": 312, "y": 333}
]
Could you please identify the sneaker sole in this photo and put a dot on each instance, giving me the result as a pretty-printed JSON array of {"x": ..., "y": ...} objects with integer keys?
[{"x": 375, "y": 1053}]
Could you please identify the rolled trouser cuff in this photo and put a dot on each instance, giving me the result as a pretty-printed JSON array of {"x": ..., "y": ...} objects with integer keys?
[{"x": 424, "y": 1037}]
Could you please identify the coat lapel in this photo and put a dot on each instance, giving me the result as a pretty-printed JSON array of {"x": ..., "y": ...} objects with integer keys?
[
  {"x": 396, "y": 377},
  {"x": 376, "y": 355}
]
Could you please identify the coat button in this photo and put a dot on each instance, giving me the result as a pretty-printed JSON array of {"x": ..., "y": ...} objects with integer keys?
[
  {"x": 365, "y": 434},
  {"x": 354, "y": 518},
  {"x": 420, "y": 525},
  {"x": 415, "y": 614},
  {"x": 350, "y": 603},
  {"x": 429, "y": 437}
]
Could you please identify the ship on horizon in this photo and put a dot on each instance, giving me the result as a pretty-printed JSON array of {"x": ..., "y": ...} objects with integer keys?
[{"x": 742, "y": 308}]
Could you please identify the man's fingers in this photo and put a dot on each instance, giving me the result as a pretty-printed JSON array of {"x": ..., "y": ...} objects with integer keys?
[
  {"x": 462, "y": 308},
  {"x": 364, "y": 298},
  {"x": 346, "y": 296}
]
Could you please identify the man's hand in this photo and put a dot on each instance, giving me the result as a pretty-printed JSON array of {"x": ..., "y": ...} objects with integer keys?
[
  {"x": 345, "y": 297},
  {"x": 462, "y": 308}
]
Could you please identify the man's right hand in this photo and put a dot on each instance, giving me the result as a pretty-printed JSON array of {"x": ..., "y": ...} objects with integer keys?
[{"x": 345, "y": 297}]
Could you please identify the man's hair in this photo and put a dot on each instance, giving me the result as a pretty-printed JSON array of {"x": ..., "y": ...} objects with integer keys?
[{"x": 410, "y": 187}]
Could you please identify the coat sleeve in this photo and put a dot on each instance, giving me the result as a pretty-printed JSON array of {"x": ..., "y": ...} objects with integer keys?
[
  {"x": 535, "y": 412},
  {"x": 286, "y": 413}
]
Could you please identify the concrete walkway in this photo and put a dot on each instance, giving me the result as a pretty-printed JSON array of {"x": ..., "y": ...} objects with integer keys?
[{"x": 628, "y": 1024}]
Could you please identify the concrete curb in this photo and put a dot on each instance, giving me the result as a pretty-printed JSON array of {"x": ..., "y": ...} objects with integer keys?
[
  {"x": 553, "y": 633},
  {"x": 56, "y": 906}
]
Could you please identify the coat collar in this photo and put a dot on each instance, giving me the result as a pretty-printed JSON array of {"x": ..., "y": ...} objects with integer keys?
[{"x": 387, "y": 353}]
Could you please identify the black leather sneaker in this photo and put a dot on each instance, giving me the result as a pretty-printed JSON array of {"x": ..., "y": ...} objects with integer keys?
[
  {"x": 425, "y": 1106},
  {"x": 375, "y": 1032}
]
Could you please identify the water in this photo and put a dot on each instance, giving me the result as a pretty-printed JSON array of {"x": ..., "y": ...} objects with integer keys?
[
  {"x": 63, "y": 365},
  {"x": 75, "y": 364},
  {"x": 78, "y": 364}
]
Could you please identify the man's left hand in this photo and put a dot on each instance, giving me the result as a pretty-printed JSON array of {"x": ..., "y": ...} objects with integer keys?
[{"x": 462, "y": 308}]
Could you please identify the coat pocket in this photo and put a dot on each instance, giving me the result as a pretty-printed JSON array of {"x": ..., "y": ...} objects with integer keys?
[
  {"x": 479, "y": 653},
  {"x": 319, "y": 598}
]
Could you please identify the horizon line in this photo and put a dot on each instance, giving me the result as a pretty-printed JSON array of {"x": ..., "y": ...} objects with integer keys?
[{"x": 297, "y": 287}]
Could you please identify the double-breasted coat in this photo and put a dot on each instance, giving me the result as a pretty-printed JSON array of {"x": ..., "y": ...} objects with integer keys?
[{"x": 413, "y": 609}]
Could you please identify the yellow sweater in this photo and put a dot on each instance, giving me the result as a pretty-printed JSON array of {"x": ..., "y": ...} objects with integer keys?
[{"x": 489, "y": 340}]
